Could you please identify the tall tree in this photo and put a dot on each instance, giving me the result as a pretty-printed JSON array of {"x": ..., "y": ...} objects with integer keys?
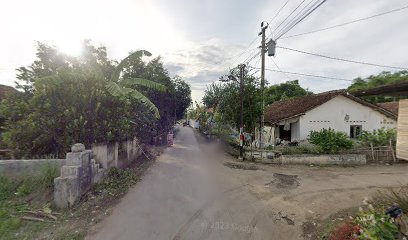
[{"x": 284, "y": 91}]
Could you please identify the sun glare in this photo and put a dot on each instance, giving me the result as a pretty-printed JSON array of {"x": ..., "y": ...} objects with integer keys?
[{"x": 69, "y": 46}]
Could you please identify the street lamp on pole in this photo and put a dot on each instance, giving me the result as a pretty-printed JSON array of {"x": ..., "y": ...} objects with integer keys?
[{"x": 241, "y": 99}]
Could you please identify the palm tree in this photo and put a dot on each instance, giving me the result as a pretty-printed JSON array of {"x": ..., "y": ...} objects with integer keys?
[{"x": 127, "y": 87}]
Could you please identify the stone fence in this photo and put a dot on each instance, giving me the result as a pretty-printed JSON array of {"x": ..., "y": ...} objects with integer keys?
[
  {"x": 31, "y": 167},
  {"x": 79, "y": 170},
  {"x": 86, "y": 167}
]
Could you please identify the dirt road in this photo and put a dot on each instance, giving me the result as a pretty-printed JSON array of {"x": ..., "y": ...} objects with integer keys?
[{"x": 189, "y": 194}]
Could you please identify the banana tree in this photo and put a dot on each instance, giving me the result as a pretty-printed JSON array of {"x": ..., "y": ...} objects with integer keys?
[{"x": 127, "y": 87}]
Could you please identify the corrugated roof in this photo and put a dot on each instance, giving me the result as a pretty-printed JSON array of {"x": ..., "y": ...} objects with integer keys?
[{"x": 281, "y": 110}]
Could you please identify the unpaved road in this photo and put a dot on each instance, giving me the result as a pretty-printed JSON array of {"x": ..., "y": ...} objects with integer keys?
[{"x": 189, "y": 194}]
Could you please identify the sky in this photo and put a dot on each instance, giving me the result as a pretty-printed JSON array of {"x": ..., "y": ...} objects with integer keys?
[{"x": 202, "y": 40}]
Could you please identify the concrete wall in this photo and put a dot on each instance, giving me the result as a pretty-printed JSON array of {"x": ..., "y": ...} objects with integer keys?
[
  {"x": 27, "y": 167},
  {"x": 295, "y": 131},
  {"x": 116, "y": 154},
  {"x": 306, "y": 159},
  {"x": 332, "y": 115},
  {"x": 344, "y": 159}
]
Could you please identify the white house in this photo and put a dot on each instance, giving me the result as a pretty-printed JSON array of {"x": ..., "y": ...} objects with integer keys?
[{"x": 293, "y": 119}]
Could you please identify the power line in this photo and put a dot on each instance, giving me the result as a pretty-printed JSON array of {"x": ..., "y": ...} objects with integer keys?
[
  {"x": 294, "y": 18},
  {"x": 342, "y": 59},
  {"x": 346, "y": 23},
  {"x": 280, "y": 9},
  {"x": 301, "y": 19},
  {"x": 305, "y": 74},
  {"x": 280, "y": 69},
  {"x": 294, "y": 10}
]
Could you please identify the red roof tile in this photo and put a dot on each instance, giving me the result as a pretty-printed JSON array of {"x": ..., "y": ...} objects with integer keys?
[
  {"x": 390, "y": 106},
  {"x": 281, "y": 110}
]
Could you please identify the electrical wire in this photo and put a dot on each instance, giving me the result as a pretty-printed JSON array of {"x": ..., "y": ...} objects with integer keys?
[
  {"x": 301, "y": 12},
  {"x": 277, "y": 14},
  {"x": 257, "y": 54},
  {"x": 280, "y": 69},
  {"x": 288, "y": 16},
  {"x": 301, "y": 19},
  {"x": 305, "y": 74},
  {"x": 346, "y": 23},
  {"x": 342, "y": 59}
]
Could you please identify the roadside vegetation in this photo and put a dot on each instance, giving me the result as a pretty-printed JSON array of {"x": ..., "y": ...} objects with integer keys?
[
  {"x": 89, "y": 99},
  {"x": 62, "y": 100},
  {"x": 27, "y": 210},
  {"x": 382, "y": 218}
]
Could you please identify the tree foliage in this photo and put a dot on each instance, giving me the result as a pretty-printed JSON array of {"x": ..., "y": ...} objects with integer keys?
[
  {"x": 88, "y": 99},
  {"x": 284, "y": 91},
  {"x": 225, "y": 99},
  {"x": 383, "y": 78}
]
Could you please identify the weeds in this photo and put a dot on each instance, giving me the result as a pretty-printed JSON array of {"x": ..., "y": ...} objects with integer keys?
[
  {"x": 117, "y": 182},
  {"x": 48, "y": 173},
  {"x": 394, "y": 196},
  {"x": 13, "y": 195}
]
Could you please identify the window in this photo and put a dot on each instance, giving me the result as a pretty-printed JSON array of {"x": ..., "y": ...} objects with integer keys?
[{"x": 355, "y": 130}]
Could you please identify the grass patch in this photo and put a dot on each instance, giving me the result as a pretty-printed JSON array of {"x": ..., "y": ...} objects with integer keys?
[{"x": 19, "y": 195}]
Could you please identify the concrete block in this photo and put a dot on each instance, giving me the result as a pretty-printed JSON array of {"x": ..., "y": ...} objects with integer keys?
[
  {"x": 74, "y": 158},
  {"x": 68, "y": 171},
  {"x": 78, "y": 147},
  {"x": 66, "y": 191}
]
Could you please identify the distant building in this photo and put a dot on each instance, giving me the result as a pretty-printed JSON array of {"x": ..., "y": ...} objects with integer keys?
[{"x": 293, "y": 119}]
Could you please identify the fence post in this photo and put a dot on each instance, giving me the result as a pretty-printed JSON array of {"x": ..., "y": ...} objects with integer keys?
[{"x": 392, "y": 152}]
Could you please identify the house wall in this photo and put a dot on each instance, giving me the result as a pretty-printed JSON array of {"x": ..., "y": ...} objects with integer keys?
[
  {"x": 332, "y": 115},
  {"x": 295, "y": 131}
]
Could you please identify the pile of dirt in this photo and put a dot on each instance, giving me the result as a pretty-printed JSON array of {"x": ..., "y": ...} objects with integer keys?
[{"x": 284, "y": 181}]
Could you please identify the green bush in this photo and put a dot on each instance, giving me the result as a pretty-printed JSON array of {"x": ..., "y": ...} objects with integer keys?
[
  {"x": 379, "y": 137},
  {"x": 330, "y": 141}
]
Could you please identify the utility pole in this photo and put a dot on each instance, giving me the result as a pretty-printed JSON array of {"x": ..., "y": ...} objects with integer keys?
[
  {"x": 263, "y": 50},
  {"x": 241, "y": 99}
]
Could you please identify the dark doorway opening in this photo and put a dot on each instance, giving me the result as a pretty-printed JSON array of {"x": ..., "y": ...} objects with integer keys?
[{"x": 285, "y": 134}]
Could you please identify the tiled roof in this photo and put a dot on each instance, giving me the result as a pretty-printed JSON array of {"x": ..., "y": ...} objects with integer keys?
[
  {"x": 390, "y": 106},
  {"x": 281, "y": 110}
]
